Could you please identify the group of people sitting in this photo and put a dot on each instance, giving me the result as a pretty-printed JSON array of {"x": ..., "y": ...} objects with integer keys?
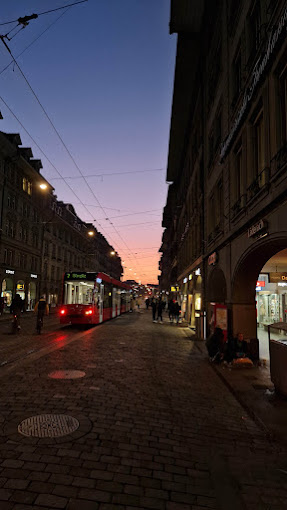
[{"x": 221, "y": 350}]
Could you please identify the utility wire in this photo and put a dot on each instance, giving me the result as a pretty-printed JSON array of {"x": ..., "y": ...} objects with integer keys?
[
  {"x": 45, "y": 155},
  {"x": 108, "y": 174},
  {"x": 40, "y": 35},
  {"x": 65, "y": 146},
  {"x": 114, "y": 228},
  {"x": 34, "y": 16}
]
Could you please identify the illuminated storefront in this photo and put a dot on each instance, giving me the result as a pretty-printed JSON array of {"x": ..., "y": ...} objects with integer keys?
[{"x": 271, "y": 298}]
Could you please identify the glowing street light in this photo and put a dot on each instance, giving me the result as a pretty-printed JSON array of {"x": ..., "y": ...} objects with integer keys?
[
  {"x": 43, "y": 186},
  {"x": 91, "y": 233}
]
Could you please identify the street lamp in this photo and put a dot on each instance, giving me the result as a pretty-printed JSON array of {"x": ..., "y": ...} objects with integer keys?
[{"x": 43, "y": 186}]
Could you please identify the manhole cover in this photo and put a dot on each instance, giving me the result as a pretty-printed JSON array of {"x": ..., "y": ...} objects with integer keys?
[
  {"x": 67, "y": 374},
  {"x": 48, "y": 425}
]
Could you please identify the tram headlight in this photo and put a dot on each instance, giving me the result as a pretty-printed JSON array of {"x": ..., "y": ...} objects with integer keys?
[
  {"x": 63, "y": 311},
  {"x": 88, "y": 312}
]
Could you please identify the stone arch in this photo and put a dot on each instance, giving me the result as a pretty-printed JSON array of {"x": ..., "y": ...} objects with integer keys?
[
  {"x": 244, "y": 281},
  {"x": 217, "y": 286}
]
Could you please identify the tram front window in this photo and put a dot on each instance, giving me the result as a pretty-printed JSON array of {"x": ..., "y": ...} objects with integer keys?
[{"x": 79, "y": 293}]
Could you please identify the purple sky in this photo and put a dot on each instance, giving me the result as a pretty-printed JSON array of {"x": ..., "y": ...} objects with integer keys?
[{"x": 104, "y": 73}]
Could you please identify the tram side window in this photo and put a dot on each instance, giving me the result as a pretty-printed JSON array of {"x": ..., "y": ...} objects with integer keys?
[
  {"x": 108, "y": 295},
  {"x": 123, "y": 298}
]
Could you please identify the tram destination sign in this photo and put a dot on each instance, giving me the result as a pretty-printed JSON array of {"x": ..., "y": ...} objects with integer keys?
[
  {"x": 277, "y": 277},
  {"x": 80, "y": 276}
]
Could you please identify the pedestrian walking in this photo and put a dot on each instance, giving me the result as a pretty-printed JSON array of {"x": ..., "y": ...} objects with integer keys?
[
  {"x": 154, "y": 307},
  {"x": 176, "y": 312},
  {"x": 16, "y": 308},
  {"x": 160, "y": 307},
  {"x": 41, "y": 309},
  {"x": 147, "y": 303},
  {"x": 170, "y": 307},
  {"x": 1, "y": 305}
]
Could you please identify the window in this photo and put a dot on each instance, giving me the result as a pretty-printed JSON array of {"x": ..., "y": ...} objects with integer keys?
[
  {"x": 211, "y": 213},
  {"x": 283, "y": 105},
  {"x": 237, "y": 176},
  {"x": 236, "y": 75},
  {"x": 219, "y": 203},
  {"x": 259, "y": 146},
  {"x": 27, "y": 186},
  {"x": 254, "y": 30}
]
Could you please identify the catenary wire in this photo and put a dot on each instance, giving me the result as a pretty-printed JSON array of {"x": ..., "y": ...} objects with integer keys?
[
  {"x": 112, "y": 173},
  {"x": 127, "y": 256},
  {"x": 47, "y": 158},
  {"x": 47, "y": 12},
  {"x": 36, "y": 39},
  {"x": 66, "y": 148}
]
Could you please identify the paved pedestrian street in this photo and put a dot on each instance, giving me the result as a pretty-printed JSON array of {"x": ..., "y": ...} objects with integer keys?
[{"x": 145, "y": 422}]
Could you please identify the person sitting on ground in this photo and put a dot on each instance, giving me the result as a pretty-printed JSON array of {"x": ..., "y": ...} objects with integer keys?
[
  {"x": 236, "y": 348},
  {"x": 214, "y": 345}
]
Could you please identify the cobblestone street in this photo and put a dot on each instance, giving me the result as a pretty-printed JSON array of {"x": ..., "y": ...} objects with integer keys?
[{"x": 158, "y": 429}]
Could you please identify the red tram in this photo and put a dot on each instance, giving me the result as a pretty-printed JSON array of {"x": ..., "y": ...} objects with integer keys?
[{"x": 91, "y": 298}]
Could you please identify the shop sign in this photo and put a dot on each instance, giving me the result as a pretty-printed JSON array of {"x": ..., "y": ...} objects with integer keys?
[
  {"x": 260, "y": 283},
  {"x": 174, "y": 289},
  {"x": 257, "y": 227},
  {"x": 277, "y": 277},
  {"x": 9, "y": 271},
  {"x": 257, "y": 73},
  {"x": 20, "y": 286},
  {"x": 213, "y": 258},
  {"x": 33, "y": 275}
]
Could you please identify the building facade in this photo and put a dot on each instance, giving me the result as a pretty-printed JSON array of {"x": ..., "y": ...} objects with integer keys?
[
  {"x": 41, "y": 237},
  {"x": 227, "y": 157}
]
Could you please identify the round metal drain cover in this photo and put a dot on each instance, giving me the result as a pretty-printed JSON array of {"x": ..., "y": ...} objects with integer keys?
[
  {"x": 48, "y": 425},
  {"x": 67, "y": 374}
]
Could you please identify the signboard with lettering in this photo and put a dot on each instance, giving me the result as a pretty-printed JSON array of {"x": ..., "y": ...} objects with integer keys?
[
  {"x": 257, "y": 73},
  {"x": 257, "y": 228},
  {"x": 277, "y": 277},
  {"x": 213, "y": 258}
]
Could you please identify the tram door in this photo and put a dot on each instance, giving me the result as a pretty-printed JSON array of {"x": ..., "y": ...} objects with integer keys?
[
  {"x": 114, "y": 310},
  {"x": 101, "y": 302}
]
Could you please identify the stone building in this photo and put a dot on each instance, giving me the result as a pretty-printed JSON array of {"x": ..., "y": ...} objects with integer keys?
[
  {"x": 225, "y": 216},
  {"x": 20, "y": 221},
  {"x": 41, "y": 237}
]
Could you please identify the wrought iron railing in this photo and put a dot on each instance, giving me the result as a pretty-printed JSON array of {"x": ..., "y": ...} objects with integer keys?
[
  {"x": 259, "y": 183},
  {"x": 279, "y": 161}
]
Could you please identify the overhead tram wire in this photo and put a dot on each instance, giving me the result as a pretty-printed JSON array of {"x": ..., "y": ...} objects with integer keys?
[
  {"x": 65, "y": 146},
  {"x": 27, "y": 18},
  {"x": 36, "y": 39},
  {"x": 113, "y": 173},
  {"x": 59, "y": 136},
  {"x": 47, "y": 158}
]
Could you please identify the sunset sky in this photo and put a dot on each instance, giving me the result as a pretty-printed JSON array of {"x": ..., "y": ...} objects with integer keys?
[{"x": 103, "y": 72}]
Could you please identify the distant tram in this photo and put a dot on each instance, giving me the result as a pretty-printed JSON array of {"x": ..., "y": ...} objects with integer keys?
[{"x": 92, "y": 298}]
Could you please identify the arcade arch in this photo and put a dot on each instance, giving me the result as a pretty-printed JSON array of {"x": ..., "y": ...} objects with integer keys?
[{"x": 259, "y": 260}]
